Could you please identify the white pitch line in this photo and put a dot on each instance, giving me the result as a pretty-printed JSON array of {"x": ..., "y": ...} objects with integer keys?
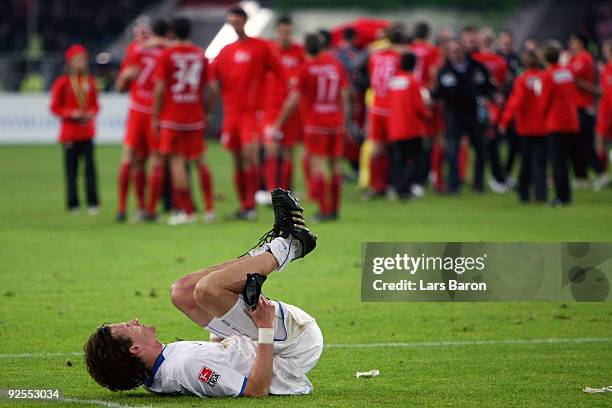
[
  {"x": 100, "y": 403},
  {"x": 463, "y": 343},
  {"x": 416, "y": 344}
]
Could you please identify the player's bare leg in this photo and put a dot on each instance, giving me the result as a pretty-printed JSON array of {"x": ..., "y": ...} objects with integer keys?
[
  {"x": 214, "y": 291},
  {"x": 271, "y": 168}
]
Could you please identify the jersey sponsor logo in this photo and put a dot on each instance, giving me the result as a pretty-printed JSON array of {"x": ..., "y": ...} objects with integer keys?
[
  {"x": 209, "y": 376},
  {"x": 241, "y": 57},
  {"x": 448, "y": 80},
  {"x": 398, "y": 83},
  {"x": 563, "y": 76}
]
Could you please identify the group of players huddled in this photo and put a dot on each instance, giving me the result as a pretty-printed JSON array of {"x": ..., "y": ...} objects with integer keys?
[{"x": 397, "y": 109}]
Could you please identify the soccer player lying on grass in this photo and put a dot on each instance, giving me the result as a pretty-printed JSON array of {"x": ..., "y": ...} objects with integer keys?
[{"x": 261, "y": 347}]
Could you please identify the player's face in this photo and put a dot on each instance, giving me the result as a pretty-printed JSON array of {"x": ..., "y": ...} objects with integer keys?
[
  {"x": 237, "y": 22},
  {"x": 574, "y": 44},
  {"x": 505, "y": 42},
  {"x": 78, "y": 63},
  {"x": 455, "y": 52},
  {"x": 469, "y": 39},
  {"x": 141, "y": 32},
  {"x": 284, "y": 32},
  {"x": 138, "y": 333}
]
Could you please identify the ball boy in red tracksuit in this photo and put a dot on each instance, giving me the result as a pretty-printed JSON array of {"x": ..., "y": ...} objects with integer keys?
[
  {"x": 406, "y": 125},
  {"x": 525, "y": 108},
  {"x": 560, "y": 119},
  {"x": 74, "y": 100}
]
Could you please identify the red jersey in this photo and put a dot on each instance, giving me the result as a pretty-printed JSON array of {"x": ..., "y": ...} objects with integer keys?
[
  {"x": 241, "y": 68},
  {"x": 559, "y": 100},
  {"x": 184, "y": 70},
  {"x": 277, "y": 88},
  {"x": 525, "y": 105},
  {"x": 496, "y": 64},
  {"x": 71, "y": 93},
  {"x": 583, "y": 67},
  {"x": 428, "y": 59},
  {"x": 320, "y": 83},
  {"x": 407, "y": 111},
  {"x": 141, "y": 89},
  {"x": 382, "y": 65},
  {"x": 604, "y": 113}
]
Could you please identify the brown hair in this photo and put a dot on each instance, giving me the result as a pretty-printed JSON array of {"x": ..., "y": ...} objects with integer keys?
[
  {"x": 110, "y": 363},
  {"x": 531, "y": 60}
]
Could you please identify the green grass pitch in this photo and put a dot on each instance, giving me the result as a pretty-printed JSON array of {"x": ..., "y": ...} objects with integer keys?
[{"x": 62, "y": 275}]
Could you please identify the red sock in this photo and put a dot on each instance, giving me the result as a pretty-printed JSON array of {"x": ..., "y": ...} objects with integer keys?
[
  {"x": 464, "y": 155},
  {"x": 124, "y": 185},
  {"x": 251, "y": 185},
  {"x": 186, "y": 201},
  {"x": 379, "y": 173},
  {"x": 336, "y": 189},
  {"x": 240, "y": 182},
  {"x": 286, "y": 174},
  {"x": 156, "y": 186},
  {"x": 140, "y": 181},
  {"x": 310, "y": 183},
  {"x": 436, "y": 166},
  {"x": 320, "y": 191},
  {"x": 207, "y": 187},
  {"x": 271, "y": 172}
]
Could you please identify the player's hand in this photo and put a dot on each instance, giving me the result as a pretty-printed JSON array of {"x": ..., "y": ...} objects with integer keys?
[
  {"x": 155, "y": 126},
  {"x": 76, "y": 114},
  {"x": 599, "y": 145},
  {"x": 272, "y": 132},
  {"x": 263, "y": 315},
  {"x": 131, "y": 72}
]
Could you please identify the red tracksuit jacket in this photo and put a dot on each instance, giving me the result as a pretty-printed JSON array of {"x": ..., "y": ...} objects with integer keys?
[
  {"x": 406, "y": 108},
  {"x": 604, "y": 113},
  {"x": 583, "y": 67},
  {"x": 525, "y": 105},
  {"x": 559, "y": 100},
  {"x": 64, "y": 101}
]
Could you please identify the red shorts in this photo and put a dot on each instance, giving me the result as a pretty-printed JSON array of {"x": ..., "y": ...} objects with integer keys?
[
  {"x": 292, "y": 129},
  {"x": 378, "y": 127},
  {"x": 138, "y": 134},
  {"x": 435, "y": 125},
  {"x": 239, "y": 130},
  {"x": 189, "y": 144},
  {"x": 326, "y": 145}
]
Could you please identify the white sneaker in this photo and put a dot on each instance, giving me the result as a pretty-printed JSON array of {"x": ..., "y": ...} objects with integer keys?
[
  {"x": 138, "y": 216},
  {"x": 497, "y": 187},
  {"x": 417, "y": 190},
  {"x": 601, "y": 182},
  {"x": 209, "y": 217},
  {"x": 181, "y": 218},
  {"x": 392, "y": 195},
  {"x": 93, "y": 210},
  {"x": 263, "y": 197},
  {"x": 581, "y": 184}
]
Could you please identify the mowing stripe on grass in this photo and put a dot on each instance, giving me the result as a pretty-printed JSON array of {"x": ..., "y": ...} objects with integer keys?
[
  {"x": 417, "y": 344},
  {"x": 100, "y": 403}
]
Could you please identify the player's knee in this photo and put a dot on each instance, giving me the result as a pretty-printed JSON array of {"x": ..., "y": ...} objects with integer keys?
[
  {"x": 181, "y": 293},
  {"x": 206, "y": 292}
]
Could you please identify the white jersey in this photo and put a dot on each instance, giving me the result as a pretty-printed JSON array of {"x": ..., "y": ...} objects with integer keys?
[{"x": 221, "y": 369}]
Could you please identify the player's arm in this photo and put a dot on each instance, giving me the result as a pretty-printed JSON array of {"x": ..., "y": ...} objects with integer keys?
[
  {"x": 158, "y": 95},
  {"x": 345, "y": 98},
  {"x": 212, "y": 89},
  {"x": 258, "y": 384},
  {"x": 129, "y": 71},
  {"x": 289, "y": 106},
  {"x": 587, "y": 86}
]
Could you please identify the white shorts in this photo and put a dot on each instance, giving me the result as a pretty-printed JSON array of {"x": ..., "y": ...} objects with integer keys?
[{"x": 297, "y": 338}]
